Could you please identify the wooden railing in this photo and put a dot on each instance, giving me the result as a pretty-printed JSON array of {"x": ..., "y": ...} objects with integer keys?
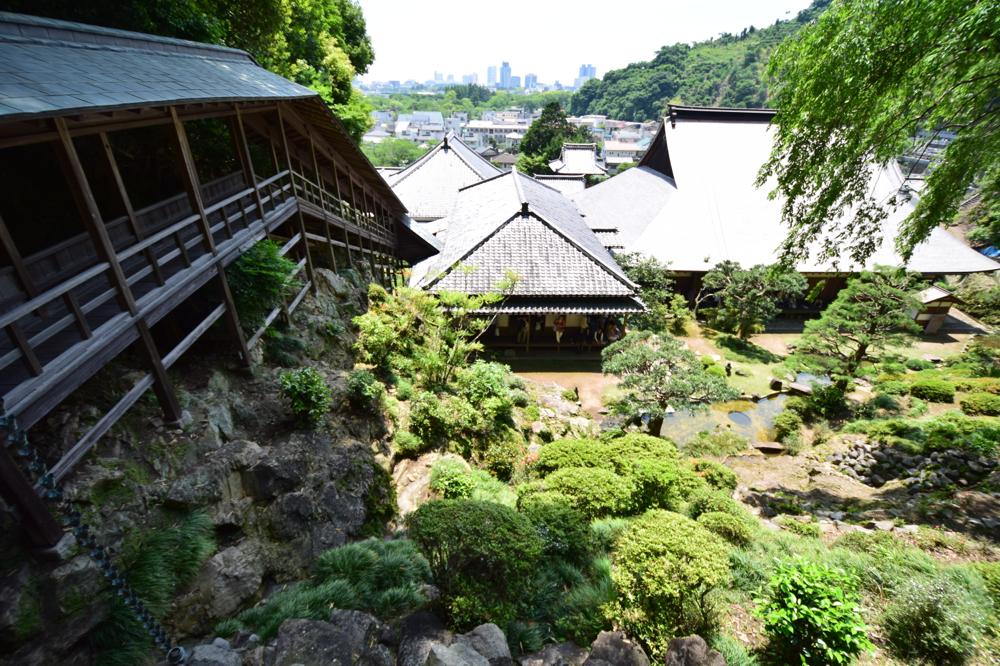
[
  {"x": 320, "y": 196},
  {"x": 83, "y": 307}
]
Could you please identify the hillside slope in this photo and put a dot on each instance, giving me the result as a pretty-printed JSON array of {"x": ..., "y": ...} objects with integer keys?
[{"x": 726, "y": 71}]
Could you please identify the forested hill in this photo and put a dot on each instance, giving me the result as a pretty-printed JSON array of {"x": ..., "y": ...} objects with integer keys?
[{"x": 725, "y": 71}]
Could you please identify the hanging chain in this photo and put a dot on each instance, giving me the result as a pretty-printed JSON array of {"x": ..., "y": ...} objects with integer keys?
[{"x": 52, "y": 492}]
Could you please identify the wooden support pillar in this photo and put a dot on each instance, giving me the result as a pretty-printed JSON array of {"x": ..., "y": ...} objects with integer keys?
[
  {"x": 41, "y": 527},
  {"x": 298, "y": 213},
  {"x": 191, "y": 182},
  {"x": 129, "y": 210},
  {"x": 247, "y": 162},
  {"x": 233, "y": 317},
  {"x": 322, "y": 202},
  {"x": 106, "y": 252},
  {"x": 340, "y": 206}
]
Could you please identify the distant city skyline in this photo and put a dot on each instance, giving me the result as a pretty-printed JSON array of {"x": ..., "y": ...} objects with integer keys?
[{"x": 550, "y": 40}]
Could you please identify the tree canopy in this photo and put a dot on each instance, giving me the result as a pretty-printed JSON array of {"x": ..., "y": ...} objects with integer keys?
[
  {"x": 392, "y": 152},
  {"x": 748, "y": 298},
  {"x": 322, "y": 44},
  {"x": 543, "y": 141},
  {"x": 874, "y": 311},
  {"x": 657, "y": 372},
  {"x": 667, "y": 310},
  {"x": 852, "y": 91}
]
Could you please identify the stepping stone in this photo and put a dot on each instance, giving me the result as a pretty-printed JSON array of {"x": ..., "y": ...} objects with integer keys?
[{"x": 769, "y": 447}]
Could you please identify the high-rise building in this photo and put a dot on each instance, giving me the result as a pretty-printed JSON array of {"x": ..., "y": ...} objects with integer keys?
[
  {"x": 470, "y": 78},
  {"x": 451, "y": 78},
  {"x": 438, "y": 78},
  {"x": 505, "y": 75},
  {"x": 515, "y": 82},
  {"x": 491, "y": 75},
  {"x": 587, "y": 72},
  {"x": 531, "y": 81}
]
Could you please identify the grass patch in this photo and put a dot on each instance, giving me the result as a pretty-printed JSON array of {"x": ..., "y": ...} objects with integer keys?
[{"x": 744, "y": 351}]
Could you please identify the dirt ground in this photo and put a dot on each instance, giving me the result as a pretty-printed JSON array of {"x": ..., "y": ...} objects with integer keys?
[{"x": 591, "y": 385}]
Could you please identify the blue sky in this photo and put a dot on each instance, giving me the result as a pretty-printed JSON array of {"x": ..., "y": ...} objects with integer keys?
[{"x": 550, "y": 38}]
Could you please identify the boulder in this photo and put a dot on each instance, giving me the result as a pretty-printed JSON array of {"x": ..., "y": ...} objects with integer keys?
[
  {"x": 692, "y": 651},
  {"x": 459, "y": 654},
  {"x": 563, "y": 654},
  {"x": 612, "y": 647},
  {"x": 417, "y": 633},
  {"x": 227, "y": 582},
  {"x": 214, "y": 655},
  {"x": 351, "y": 637},
  {"x": 489, "y": 641},
  {"x": 329, "y": 282}
]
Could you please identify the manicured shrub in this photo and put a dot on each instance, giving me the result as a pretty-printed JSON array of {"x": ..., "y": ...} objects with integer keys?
[
  {"x": 364, "y": 390},
  {"x": 605, "y": 531},
  {"x": 800, "y": 527},
  {"x": 594, "y": 492},
  {"x": 718, "y": 443},
  {"x": 485, "y": 385},
  {"x": 930, "y": 620},
  {"x": 308, "y": 394},
  {"x": 408, "y": 445},
  {"x": 918, "y": 364},
  {"x": 787, "y": 424},
  {"x": 662, "y": 484},
  {"x": 623, "y": 451},
  {"x": 708, "y": 501},
  {"x": 564, "y": 531},
  {"x": 811, "y": 615},
  {"x": 737, "y": 531},
  {"x": 442, "y": 419},
  {"x": 520, "y": 398},
  {"x": 565, "y": 453},
  {"x": 451, "y": 478},
  {"x": 893, "y": 387},
  {"x": 664, "y": 568},
  {"x": 482, "y": 556},
  {"x": 933, "y": 390},
  {"x": 716, "y": 475},
  {"x": 981, "y": 404},
  {"x": 504, "y": 451},
  {"x": 384, "y": 578}
]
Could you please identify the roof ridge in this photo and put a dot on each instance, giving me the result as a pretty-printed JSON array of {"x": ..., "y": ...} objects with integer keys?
[
  {"x": 475, "y": 246},
  {"x": 58, "y": 31},
  {"x": 416, "y": 164},
  {"x": 458, "y": 153},
  {"x": 517, "y": 188},
  {"x": 485, "y": 180}
]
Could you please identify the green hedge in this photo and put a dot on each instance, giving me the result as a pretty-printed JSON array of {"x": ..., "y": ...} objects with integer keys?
[
  {"x": 981, "y": 404},
  {"x": 933, "y": 390}
]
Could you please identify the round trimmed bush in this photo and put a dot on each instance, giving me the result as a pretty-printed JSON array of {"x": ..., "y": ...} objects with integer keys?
[
  {"x": 364, "y": 389},
  {"x": 504, "y": 451},
  {"x": 981, "y": 404},
  {"x": 564, "y": 531},
  {"x": 787, "y": 424},
  {"x": 595, "y": 492},
  {"x": 625, "y": 450},
  {"x": 933, "y": 390},
  {"x": 713, "y": 501},
  {"x": 664, "y": 567},
  {"x": 736, "y": 531},
  {"x": 716, "y": 475},
  {"x": 893, "y": 387},
  {"x": 483, "y": 557},
  {"x": 662, "y": 484},
  {"x": 565, "y": 453}
]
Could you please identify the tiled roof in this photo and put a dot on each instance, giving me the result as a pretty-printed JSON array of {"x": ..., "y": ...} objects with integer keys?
[
  {"x": 566, "y": 184},
  {"x": 628, "y": 202},
  {"x": 618, "y": 305},
  {"x": 53, "y": 67},
  {"x": 514, "y": 223},
  {"x": 429, "y": 186},
  {"x": 578, "y": 159}
]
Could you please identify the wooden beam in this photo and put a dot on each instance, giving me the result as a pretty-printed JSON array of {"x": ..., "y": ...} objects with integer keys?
[
  {"x": 127, "y": 203},
  {"x": 162, "y": 385},
  {"x": 38, "y": 522},
  {"x": 322, "y": 201},
  {"x": 191, "y": 184},
  {"x": 233, "y": 318},
  {"x": 247, "y": 161}
]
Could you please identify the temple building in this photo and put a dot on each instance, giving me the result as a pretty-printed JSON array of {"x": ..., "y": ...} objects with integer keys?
[
  {"x": 136, "y": 168},
  {"x": 567, "y": 285},
  {"x": 691, "y": 203},
  {"x": 578, "y": 159}
]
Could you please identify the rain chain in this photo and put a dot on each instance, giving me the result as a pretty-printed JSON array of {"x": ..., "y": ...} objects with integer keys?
[{"x": 33, "y": 463}]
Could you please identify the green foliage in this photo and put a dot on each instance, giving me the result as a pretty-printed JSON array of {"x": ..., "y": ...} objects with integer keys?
[
  {"x": 664, "y": 568},
  {"x": 985, "y": 404},
  {"x": 667, "y": 311},
  {"x": 949, "y": 430},
  {"x": 580, "y": 615},
  {"x": 716, "y": 475},
  {"x": 308, "y": 394},
  {"x": 390, "y": 152},
  {"x": 564, "y": 531},
  {"x": 657, "y": 372},
  {"x": 893, "y": 387},
  {"x": 811, "y": 615},
  {"x": 450, "y": 478},
  {"x": 980, "y": 296},
  {"x": 870, "y": 314},
  {"x": 384, "y": 578},
  {"x": 918, "y": 364},
  {"x": 364, "y": 390},
  {"x": 933, "y": 390},
  {"x": 594, "y": 492},
  {"x": 808, "y": 529},
  {"x": 929, "y": 620},
  {"x": 572, "y": 453},
  {"x": 260, "y": 279},
  {"x": 606, "y": 531},
  {"x": 482, "y": 556},
  {"x": 623, "y": 451},
  {"x": 408, "y": 445},
  {"x": 787, "y": 424},
  {"x": 717, "y": 443},
  {"x": 732, "y": 651},
  {"x": 878, "y": 66},
  {"x": 158, "y": 563},
  {"x": 737, "y": 531},
  {"x": 504, "y": 452},
  {"x": 748, "y": 298},
  {"x": 662, "y": 484},
  {"x": 549, "y": 132}
]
